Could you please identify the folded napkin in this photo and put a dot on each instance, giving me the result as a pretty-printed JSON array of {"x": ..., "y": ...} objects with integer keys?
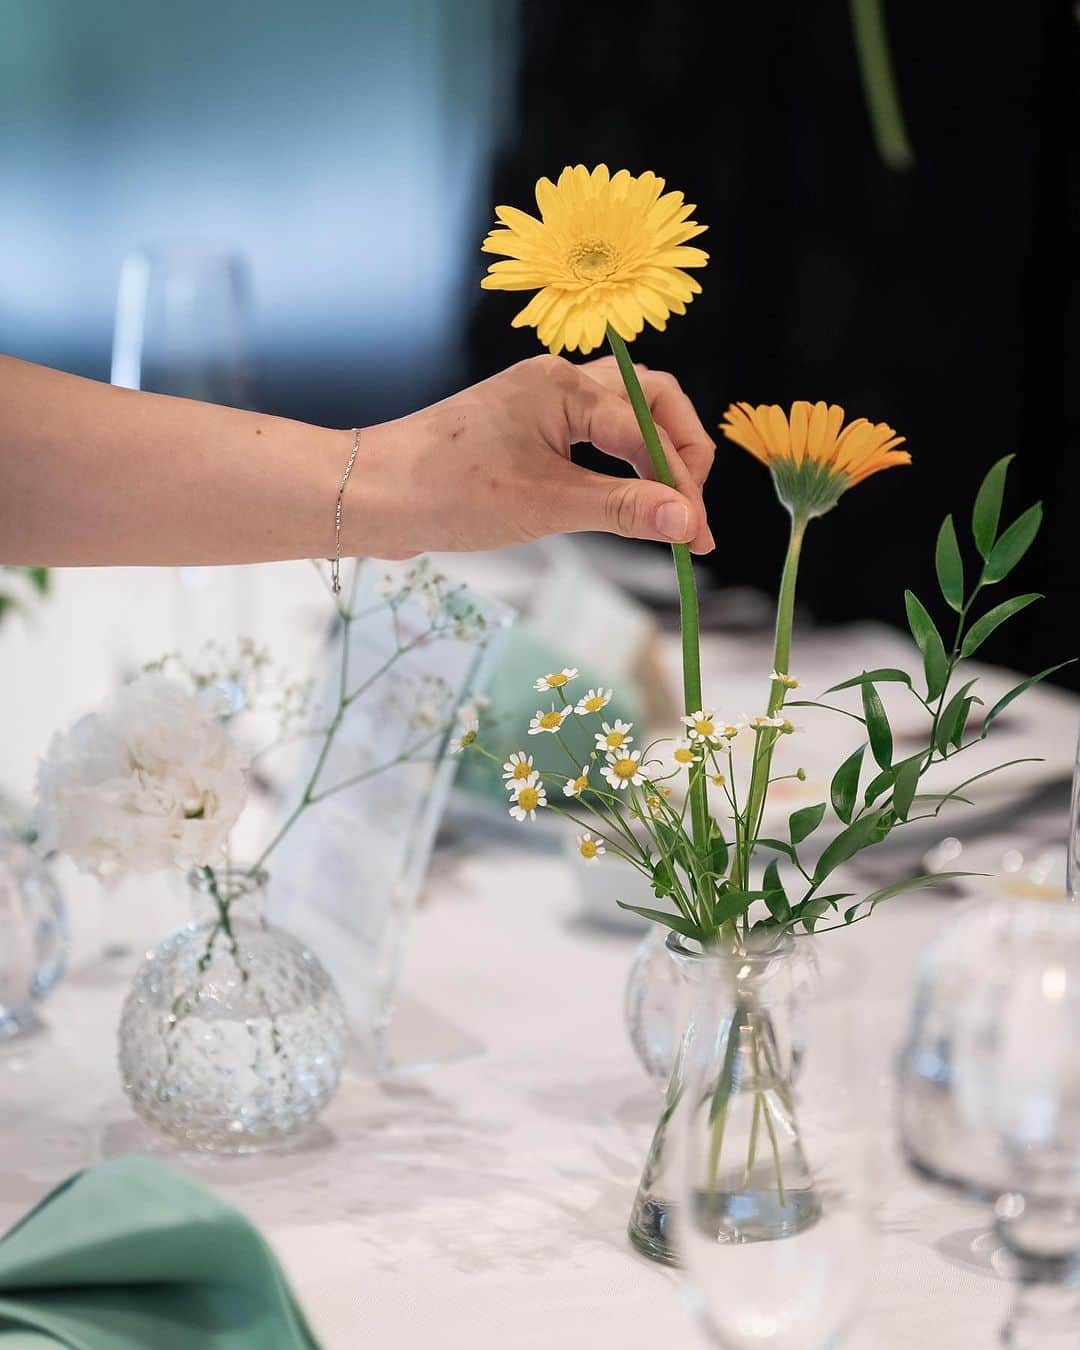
[{"x": 130, "y": 1255}]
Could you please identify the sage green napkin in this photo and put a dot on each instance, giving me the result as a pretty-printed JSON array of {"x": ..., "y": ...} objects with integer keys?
[{"x": 130, "y": 1255}]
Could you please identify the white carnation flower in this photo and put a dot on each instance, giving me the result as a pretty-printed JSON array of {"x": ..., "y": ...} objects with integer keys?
[{"x": 150, "y": 781}]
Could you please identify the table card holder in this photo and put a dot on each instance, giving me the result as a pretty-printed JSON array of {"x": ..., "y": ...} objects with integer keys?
[{"x": 348, "y": 877}]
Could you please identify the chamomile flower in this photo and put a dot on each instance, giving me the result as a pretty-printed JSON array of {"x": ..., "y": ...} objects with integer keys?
[
  {"x": 529, "y": 796},
  {"x": 556, "y": 680},
  {"x": 576, "y": 786},
  {"x": 623, "y": 768},
  {"x": 468, "y": 735},
  {"x": 551, "y": 720},
  {"x": 615, "y": 737},
  {"x": 594, "y": 701},
  {"x": 729, "y": 730},
  {"x": 763, "y": 722},
  {"x": 518, "y": 767},
  {"x": 655, "y": 805},
  {"x": 684, "y": 754},
  {"x": 591, "y": 850},
  {"x": 702, "y": 727},
  {"x": 717, "y": 779},
  {"x": 788, "y": 681}
]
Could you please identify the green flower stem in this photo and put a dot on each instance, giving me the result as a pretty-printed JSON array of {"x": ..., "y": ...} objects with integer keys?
[
  {"x": 766, "y": 740},
  {"x": 684, "y": 572}
]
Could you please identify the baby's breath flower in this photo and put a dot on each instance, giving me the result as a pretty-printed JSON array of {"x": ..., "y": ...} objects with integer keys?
[
  {"x": 518, "y": 767},
  {"x": 590, "y": 849},
  {"x": 576, "y": 786},
  {"x": 594, "y": 701},
  {"x": 528, "y": 797},
  {"x": 467, "y": 737},
  {"x": 551, "y": 720},
  {"x": 614, "y": 737},
  {"x": 703, "y": 727},
  {"x": 622, "y": 768},
  {"x": 788, "y": 681},
  {"x": 556, "y": 680}
]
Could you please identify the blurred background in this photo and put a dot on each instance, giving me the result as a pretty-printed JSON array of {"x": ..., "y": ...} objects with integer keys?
[{"x": 348, "y": 154}]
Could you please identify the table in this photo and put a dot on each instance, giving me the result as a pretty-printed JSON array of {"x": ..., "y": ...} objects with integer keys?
[{"x": 484, "y": 1202}]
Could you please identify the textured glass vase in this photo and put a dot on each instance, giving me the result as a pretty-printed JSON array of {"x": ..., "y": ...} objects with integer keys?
[
  {"x": 746, "y": 1049},
  {"x": 233, "y": 1036},
  {"x": 33, "y": 935},
  {"x": 651, "y": 1003}
]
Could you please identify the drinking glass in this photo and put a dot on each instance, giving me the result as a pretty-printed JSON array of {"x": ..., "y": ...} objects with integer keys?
[
  {"x": 1072, "y": 865},
  {"x": 990, "y": 1096},
  {"x": 773, "y": 1222},
  {"x": 183, "y": 319},
  {"x": 182, "y": 324}
]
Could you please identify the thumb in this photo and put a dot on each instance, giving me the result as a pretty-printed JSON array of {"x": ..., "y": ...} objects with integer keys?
[{"x": 636, "y": 508}]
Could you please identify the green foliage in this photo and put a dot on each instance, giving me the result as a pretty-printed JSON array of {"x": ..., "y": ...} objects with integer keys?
[
  {"x": 844, "y": 788},
  {"x": 928, "y": 640},
  {"x": 987, "y": 512},
  {"x": 877, "y": 726},
  {"x": 949, "y": 565}
]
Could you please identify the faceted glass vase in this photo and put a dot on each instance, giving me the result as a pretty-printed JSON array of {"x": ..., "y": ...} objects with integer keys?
[
  {"x": 755, "y": 1181},
  {"x": 233, "y": 1037},
  {"x": 33, "y": 935}
]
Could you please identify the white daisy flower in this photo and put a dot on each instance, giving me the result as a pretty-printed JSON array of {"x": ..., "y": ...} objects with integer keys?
[
  {"x": 518, "y": 767},
  {"x": 468, "y": 737},
  {"x": 762, "y": 722},
  {"x": 556, "y": 680},
  {"x": 591, "y": 850},
  {"x": 788, "y": 681},
  {"x": 594, "y": 701},
  {"x": 576, "y": 786},
  {"x": 623, "y": 768},
  {"x": 551, "y": 720},
  {"x": 528, "y": 797},
  {"x": 615, "y": 737},
  {"x": 703, "y": 727},
  {"x": 729, "y": 730},
  {"x": 683, "y": 753}
]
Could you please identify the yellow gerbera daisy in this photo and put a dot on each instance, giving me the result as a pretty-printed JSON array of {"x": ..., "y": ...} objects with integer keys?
[
  {"x": 813, "y": 457},
  {"x": 606, "y": 249}
]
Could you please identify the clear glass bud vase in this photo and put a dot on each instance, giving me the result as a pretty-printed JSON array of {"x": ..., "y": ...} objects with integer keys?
[
  {"x": 736, "y": 1129},
  {"x": 233, "y": 1036}
]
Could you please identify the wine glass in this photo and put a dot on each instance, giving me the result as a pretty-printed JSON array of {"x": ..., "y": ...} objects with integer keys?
[
  {"x": 773, "y": 1222},
  {"x": 990, "y": 1096}
]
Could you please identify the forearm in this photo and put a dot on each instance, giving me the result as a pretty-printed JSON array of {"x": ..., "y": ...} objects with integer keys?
[{"x": 95, "y": 475}]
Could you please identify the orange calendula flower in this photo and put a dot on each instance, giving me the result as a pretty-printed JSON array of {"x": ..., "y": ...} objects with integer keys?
[
  {"x": 608, "y": 248},
  {"x": 813, "y": 457}
]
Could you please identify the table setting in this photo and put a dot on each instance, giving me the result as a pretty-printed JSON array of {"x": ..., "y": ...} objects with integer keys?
[{"x": 507, "y": 961}]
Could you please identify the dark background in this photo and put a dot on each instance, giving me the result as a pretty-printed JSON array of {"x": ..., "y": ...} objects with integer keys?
[
  {"x": 942, "y": 300},
  {"x": 353, "y": 152}
]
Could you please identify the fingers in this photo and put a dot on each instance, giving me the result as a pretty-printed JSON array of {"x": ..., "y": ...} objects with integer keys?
[
  {"x": 671, "y": 409},
  {"x": 609, "y": 423},
  {"x": 636, "y": 508}
]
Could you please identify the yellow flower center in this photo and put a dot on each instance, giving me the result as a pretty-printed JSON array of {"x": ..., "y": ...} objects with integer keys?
[
  {"x": 521, "y": 770},
  {"x": 684, "y": 755},
  {"x": 595, "y": 703},
  {"x": 718, "y": 779},
  {"x": 580, "y": 784},
  {"x": 592, "y": 260},
  {"x": 467, "y": 738},
  {"x": 588, "y": 848},
  {"x": 529, "y": 798},
  {"x": 704, "y": 727},
  {"x": 555, "y": 681},
  {"x": 614, "y": 739},
  {"x": 625, "y": 767},
  {"x": 550, "y": 720}
]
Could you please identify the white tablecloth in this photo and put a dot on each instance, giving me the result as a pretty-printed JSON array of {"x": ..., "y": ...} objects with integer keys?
[{"x": 483, "y": 1203}]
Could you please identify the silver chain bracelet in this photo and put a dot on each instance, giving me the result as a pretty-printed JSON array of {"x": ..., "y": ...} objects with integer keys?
[{"x": 335, "y": 562}]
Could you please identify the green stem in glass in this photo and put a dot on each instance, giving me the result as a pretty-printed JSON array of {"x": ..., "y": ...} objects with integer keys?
[
  {"x": 684, "y": 573},
  {"x": 766, "y": 739}
]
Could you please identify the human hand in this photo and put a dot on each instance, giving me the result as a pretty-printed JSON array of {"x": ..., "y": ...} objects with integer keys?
[{"x": 491, "y": 465}]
